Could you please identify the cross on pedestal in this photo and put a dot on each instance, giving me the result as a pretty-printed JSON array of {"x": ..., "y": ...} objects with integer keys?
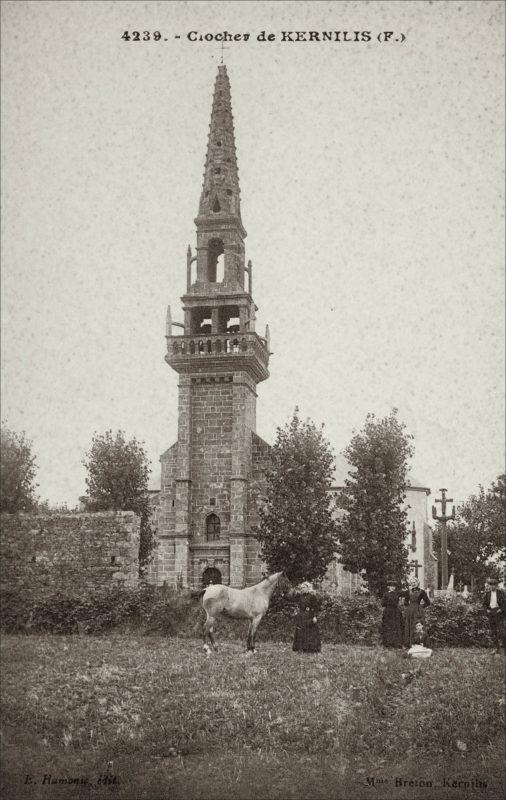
[
  {"x": 416, "y": 566},
  {"x": 443, "y": 519}
]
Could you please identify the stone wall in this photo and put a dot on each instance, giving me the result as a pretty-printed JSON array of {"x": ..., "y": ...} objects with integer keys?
[
  {"x": 212, "y": 415},
  {"x": 71, "y": 553}
]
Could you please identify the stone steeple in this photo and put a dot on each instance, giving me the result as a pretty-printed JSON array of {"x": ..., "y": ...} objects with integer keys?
[
  {"x": 210, "y": 477},
  {"x": 220, "y": 191}
]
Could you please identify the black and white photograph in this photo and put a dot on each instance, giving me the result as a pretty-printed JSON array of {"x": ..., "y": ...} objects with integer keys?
[{"x": 253, "y": 481}]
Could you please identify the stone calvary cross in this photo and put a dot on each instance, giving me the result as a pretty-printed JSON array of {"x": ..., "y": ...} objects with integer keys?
[{"x": 443, "y": 519}]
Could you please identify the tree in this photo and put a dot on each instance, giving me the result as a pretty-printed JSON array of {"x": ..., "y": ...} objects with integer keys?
[
  {"x": 17, "y": 471},
  {"x": 297, "y": 532},
  {"x": 118, "y": 473},
  {"x": 476, "y": 544},
  {"x": 372, "y": 531}
]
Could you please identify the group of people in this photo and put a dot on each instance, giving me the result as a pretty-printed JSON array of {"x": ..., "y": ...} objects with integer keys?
[
  {"x": 403, "y": 622},
  {"x": 398, "y": 628}
]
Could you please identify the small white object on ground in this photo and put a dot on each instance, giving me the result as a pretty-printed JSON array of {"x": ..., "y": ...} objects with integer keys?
[{"x": 419, "y": 651}]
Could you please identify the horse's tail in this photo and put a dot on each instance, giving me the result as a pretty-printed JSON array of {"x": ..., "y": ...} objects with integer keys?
[{"x": 197, "y": 595}]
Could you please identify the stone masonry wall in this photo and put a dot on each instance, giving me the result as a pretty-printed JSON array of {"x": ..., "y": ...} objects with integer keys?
[
  {"x": 211, "y": 453},
  {"x": 70, "y": 553}
]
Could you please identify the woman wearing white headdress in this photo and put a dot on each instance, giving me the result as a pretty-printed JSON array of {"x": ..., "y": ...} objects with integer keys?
[{"x": 416, "y": 601}]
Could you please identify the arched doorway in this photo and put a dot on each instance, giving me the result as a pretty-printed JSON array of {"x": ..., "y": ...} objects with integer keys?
[{"x": 211, "y": 575}]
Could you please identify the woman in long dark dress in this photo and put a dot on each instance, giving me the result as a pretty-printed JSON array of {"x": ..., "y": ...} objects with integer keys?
[
  {"x": 391, "y": 626},
  {"x": 416, "y": 601},
  {"x": 307, "y": 637}
]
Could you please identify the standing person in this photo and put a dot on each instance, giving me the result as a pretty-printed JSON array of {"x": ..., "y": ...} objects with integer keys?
[
  {"x": 494, "y": 602},
  {"x": 307, "y": 637},
  {"x": 416, "y": 601},
  {"x": 391, "y": 625}
]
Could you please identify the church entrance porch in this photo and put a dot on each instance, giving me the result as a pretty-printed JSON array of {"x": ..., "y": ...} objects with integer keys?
[{"x": 209, "y": 563}]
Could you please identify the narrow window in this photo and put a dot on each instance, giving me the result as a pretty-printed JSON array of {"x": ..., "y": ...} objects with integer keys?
[
  {"x": 213, "y": 527},
  {"x": 413, "y": 538}
]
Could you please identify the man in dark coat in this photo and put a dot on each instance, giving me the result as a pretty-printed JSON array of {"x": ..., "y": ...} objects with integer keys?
[{"x": 494, "y": 602}]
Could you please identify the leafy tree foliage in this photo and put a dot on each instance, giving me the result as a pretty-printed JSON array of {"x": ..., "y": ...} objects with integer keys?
[
  {"x": 476, "y": 543},
  {"x": 297, "y": 532},
  {"x": 372, "y": 530},
  {"x": 118, "y": 474},
  {"x": 17, "y": 472}
]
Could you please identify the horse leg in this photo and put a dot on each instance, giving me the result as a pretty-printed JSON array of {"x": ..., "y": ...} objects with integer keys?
[
  {"x": 211, "y": 637},
  {"x": 253, "y": 630},
  {"x": 208, "y": 629},
  {"x": 206, "y": 632},
  {"x": 249, "y": 643}
]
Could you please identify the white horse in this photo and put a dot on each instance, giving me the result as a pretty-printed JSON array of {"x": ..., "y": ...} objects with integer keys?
[{"x": 250, "y": 603}]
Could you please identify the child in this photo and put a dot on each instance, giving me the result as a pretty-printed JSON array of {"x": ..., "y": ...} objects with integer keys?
[{"x": 418, "y": 649}]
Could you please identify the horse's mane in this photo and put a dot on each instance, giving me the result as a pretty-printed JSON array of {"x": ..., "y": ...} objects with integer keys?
[{"x": 259, "y": 582}]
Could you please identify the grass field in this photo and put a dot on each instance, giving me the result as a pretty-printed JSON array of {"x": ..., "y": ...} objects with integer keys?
[{"x": 159, "y": 720}]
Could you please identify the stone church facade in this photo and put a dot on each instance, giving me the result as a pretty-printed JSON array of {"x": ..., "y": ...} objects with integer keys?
[{"x": 212, "y": 477}]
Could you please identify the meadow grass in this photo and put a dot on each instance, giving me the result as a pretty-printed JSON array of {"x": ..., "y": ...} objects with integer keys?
[{"x": 170, "y": 723}]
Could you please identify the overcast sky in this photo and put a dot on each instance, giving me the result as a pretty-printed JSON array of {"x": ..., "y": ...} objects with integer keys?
[{"x": 371, "y": 178}]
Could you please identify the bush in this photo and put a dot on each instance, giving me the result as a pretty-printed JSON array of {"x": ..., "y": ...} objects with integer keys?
[
  {"x": 455, "y": 622},
  {"x": 56, "y": 612},
  {"x": 354, "y": 619}
]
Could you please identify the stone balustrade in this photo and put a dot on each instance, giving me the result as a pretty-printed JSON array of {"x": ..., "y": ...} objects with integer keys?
[{"x": 235, "y": 344}]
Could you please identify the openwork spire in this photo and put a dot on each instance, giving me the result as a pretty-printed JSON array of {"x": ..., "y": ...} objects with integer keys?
[{"x": 220, "y": 191}]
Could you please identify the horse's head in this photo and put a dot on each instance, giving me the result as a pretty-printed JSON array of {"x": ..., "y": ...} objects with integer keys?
[{"x": 274, "y": 578}]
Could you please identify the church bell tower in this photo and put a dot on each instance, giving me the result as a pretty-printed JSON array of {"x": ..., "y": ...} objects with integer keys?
[{"x": 211, "y": 474}]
